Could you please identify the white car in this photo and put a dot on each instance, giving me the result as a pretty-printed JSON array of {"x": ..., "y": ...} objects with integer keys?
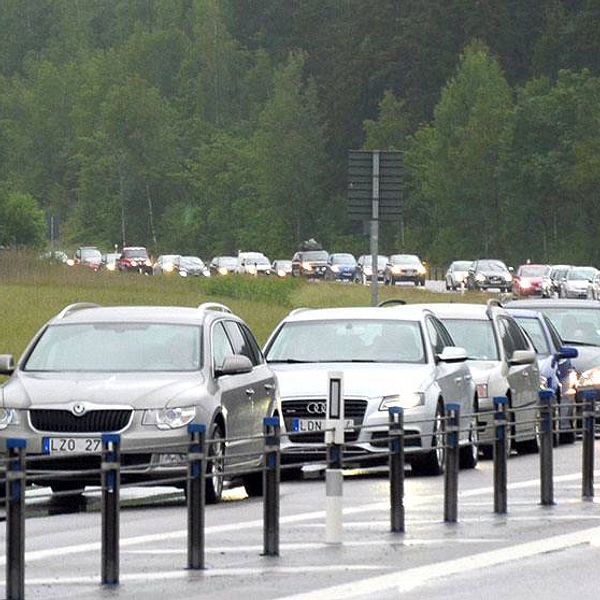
[
  {"x": 456, "y": 275},
  {"x": 253, "y": 263},
  {"x": 388, "y": 357},
  {"x": 503, "y": 362}
]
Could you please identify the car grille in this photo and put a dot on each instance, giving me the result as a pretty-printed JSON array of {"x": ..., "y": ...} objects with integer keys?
[
  {"x": 292, "y": 409},
  {"x": 94, "y": 421}
]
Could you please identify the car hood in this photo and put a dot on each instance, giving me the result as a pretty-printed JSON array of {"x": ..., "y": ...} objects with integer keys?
[
  {"x": 589, "y": 357},
  {"x": 147, "y": 390},
  {"x": 482, "y": 369},
  {"x": 366, "y": 380},
  {"x": 490, "y": 273}
]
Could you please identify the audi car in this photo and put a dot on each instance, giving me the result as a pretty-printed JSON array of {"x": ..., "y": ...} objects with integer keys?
[
  {"x": 486, "y": 274},
  {"x": 144, "y": 372},
  {"x": 402, "y": 357}
]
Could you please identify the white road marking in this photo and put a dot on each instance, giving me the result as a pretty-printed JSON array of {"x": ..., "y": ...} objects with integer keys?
[{"x": 409, "y": 579}]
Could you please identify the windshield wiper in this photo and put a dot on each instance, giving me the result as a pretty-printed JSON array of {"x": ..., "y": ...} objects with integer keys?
[
  {"x": 288, "y": 361},
  {"x": 580, "y": 343}
]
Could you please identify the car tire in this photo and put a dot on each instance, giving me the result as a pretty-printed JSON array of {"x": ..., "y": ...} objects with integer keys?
[
  {"x": 74, "y": 488},
  {"x": 469, "y": 453},
  {"x": 432, "y": 462},
  {"x": 215, "y": 464},
  {"x": 253, "y": 482}
]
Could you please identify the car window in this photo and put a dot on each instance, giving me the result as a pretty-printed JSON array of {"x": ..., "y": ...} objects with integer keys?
[
  {"x": 437, "y": 335},
  {"x": 476, "y": 336},
  {"x": 239, "y": 341},
  {"x": 517, "y": 340},
  {"x": 535, "y": 330},
  {"x": 221, "y": 346},
  {"x": 505, "y": 338},
  {"x": 554, "y": 335},
  {"x": 257, "y": 356}
]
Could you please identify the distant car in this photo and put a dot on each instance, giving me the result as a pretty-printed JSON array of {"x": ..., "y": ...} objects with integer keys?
[
  {"x": 135, "y": 259},
  {"x": 402, "y": 357},
  {"x": 404, "y": 267},
  {"x": 502, "y": 361},
  {"x": 88, "y": 256},
  {"x": 529, "y": 280},
  {"x": 558, "y": 274},
  {"x": 109, "y": 261},
  {"x": 456, "y": 275},
  {"x": 579, "y": 282},
  {"x": 253, "y": 263},
  {"x": 144, "y": 372},
  {"x": 192, "y": 266},
  {"x": 311, "y": 264},
  {"x": 485, "y": 274},
  {"x": 222, "y": 265},
  {"x": 166, "y": 263},
  {"x": 340, "y": 267},
  {"x": 364, "y": 268},
  {"x": 556, "y": 369},
  {"x": 282, "y": 267}
]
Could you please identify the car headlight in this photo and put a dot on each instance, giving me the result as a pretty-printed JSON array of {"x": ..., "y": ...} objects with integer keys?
[
  {"x": 223, "y": 271},
  {"x": 110, "y": 267},
  {"x": 403, "y": 400},
  {"x": 479, "y": 277},
  {"x": 421, "y": 270},
  {"x": 168, "y": 267},
  {"x": 281, "y": 273},
  {"x": 590, "y": 377},
  {"x": 206, "y": 272},
  {"x": 169, "y": 418},
  {"x": 183, "y": 273},
  {"x": 482, "y": 390},
  {"x": 307, "y": 266},
  {"x": 525, "y": 283},
  {"x": 8, "y": 416},
  {"x": 148, "y": 263},
  {"x": 335, "y": 268}
]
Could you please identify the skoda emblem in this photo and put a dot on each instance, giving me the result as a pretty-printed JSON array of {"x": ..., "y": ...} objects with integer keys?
[{"x": 78, "y": 409}]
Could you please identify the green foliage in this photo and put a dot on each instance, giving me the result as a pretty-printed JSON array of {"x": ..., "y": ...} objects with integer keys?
[{"x": 22, "y": 221}]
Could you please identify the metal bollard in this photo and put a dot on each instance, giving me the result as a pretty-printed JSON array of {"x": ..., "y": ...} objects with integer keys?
[
  {"x": 500, "y": 455},
  {"x": 15, "y": 519},
  {"x": 452, "y": 463},
  {"x": 333, "y": 491},
  {"x": 196, "y": 498},
  {"x": 396, "y": 432},
  {"x": 546, "y": 443},
  {"x": 271, "y": 479},
  {"x": 111, "y": 443},
  {"x": 589, "y": 406}
]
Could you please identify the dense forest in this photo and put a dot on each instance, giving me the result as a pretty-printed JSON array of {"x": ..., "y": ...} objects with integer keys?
[{"x": 208, "y": 126}]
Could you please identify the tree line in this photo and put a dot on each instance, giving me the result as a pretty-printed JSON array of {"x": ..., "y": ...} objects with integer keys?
[{"x": 208, "y": 126}]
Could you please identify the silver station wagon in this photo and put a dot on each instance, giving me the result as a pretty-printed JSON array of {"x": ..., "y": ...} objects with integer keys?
[
  {"x": 146, "y": 373},
  {"x": 401, "y": 357}
]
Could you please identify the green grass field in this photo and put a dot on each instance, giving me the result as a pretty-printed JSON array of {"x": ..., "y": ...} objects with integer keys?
[{"x": 32, "y": 291}]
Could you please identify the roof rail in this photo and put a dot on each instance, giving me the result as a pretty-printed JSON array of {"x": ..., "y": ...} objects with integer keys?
[
  {"x": 67, "y": 310},
  {"x": 299, "y": 310},
  {"x": 214, "y": 306},
  {"x": 392, "y": 302},
  {"x": 490, "y": 304}
]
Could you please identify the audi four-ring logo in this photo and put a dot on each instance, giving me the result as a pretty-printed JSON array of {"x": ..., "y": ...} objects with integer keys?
[{"x": 316, "y": 408}]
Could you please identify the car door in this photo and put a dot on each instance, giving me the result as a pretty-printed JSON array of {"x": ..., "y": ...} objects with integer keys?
[
  {"x": 235, "y": 403},
  {"x": 260, "y": 383}
]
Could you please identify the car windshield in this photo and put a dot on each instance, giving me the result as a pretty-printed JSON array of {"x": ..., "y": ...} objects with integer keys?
[
  {"x": 491, "y": 265},
  {"x": 90, "y": 253},
  {"x": 227, "y": 261},
  {"x": 576, "y": 325},
  {"x": 316, "y": 255},
  {"x": 116, "y": 348},
  {"x": 192, "y": 261},
  {"x": 586, "y": 274},
  {"x": 536, "y": 333},
  {"x": 404, "y": 259},
  {"x": 256, "y": 259},
  {"x": 342, "y": 340},
  {"x": 475, "y": 336},
  {"x": 135, "y": 253},
  {"x": 533, "y": 271},
  {"x": 343, "y": 259},
  {"x": 461, "y": 265}
]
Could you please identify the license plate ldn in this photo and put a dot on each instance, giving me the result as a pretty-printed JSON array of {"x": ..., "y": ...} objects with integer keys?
[
  {"x": 56, "y": 445},
  {"x": 311, "y": 425}
]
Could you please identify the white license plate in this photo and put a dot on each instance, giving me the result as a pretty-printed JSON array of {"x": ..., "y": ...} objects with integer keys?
[
  {"x": 64, "y": 445},
  {"x": 312, "y": 425}
]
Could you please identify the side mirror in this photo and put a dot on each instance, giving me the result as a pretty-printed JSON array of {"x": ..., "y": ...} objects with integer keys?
[
  {"x": 452, "y": 354},
  {"x": 7, "y": 364},
  {"x": 234, "y": 365},
  {"x": 568, "y": 352},
  {"x": 511, "y": 269},
  {"x": 522, "y": 357}
]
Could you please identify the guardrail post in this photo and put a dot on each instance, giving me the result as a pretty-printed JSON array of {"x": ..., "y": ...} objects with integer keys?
[
  {"x": 15, "y": 518},
  {"x": 196, "y": 498},
  {"x": 111, "y": 444},
  {"x": 588, "y": 415},
  {"x": 333, "y": 493},
  {"x": 396, "y": 432},
  {"x": 452, "y": 463},
  {"x": 271, "y": 479},
  {"x": 546, "y": 443},
  {"x": 500, "y": 455}
]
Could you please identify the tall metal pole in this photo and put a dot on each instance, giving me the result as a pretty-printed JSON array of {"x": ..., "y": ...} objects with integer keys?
[
  {"x": 15, "y": 519},
  {"x": 375, "y": 229}
]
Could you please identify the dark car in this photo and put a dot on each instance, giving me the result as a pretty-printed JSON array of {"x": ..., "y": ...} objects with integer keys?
[
  {"x": 529, "y": 280},
  {"x": 485, "y": 274},
  {"x": 556, "y": 369},
  {"x": 310, "y": 264},
  {"x": 364, "y": 269},
  {"x": 340, "y": 267},
  {"x": 135, "y": 258},
  {"x": 223, "y": 265},
  {"x": 404, "y": 267},
  {"x": 88, "y": 256}
]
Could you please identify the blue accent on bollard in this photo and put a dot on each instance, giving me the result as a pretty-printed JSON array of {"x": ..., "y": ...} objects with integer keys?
[
  {"x": 271, "y": 460},
  {"x": 452, "y": 407},
  {"x": 546, "y": 394},
  {"x": 16, "y": 443},
  {"x": 395, "y": 410},
  {"x": 295, "y": 425},
  {"x": 499, "y": 400},
  {"x": 111, "y": 437},
  {"x": 196, "y": 428},
  {"x": 271, "y": 421},
  {"x": 589, "y": 394}
]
